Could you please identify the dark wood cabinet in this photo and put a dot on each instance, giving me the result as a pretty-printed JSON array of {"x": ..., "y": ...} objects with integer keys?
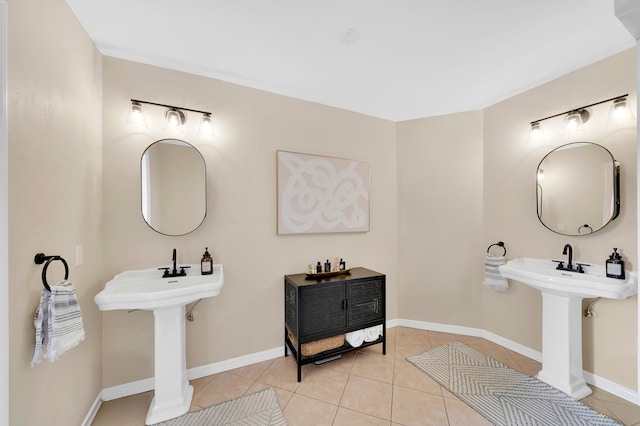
[{"x": 322, "y": 308}]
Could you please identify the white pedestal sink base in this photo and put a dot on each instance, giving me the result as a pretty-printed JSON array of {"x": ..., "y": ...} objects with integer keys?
[
  {"x": 562, "y": 344},
  {"x": 172, "y": 390}
]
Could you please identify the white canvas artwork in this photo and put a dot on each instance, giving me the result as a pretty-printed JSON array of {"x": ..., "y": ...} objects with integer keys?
[{"x": 318, "y": 194}]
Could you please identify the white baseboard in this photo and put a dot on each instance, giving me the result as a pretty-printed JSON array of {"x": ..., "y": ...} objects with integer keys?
[
  {"x": 145, "y": 385},
  {"x": 88, "y": 419}
]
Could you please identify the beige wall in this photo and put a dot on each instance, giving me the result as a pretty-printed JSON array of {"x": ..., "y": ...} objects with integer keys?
[
  {"x": 467, "y": 180},
  {"x": 510, "y": 162},
  {"x": 240, "y": 228},
  {"x": 55, "y": 202},
  {"x": 440, "y": 219}
]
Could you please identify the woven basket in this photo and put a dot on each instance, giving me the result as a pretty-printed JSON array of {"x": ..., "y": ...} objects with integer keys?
[{"x": 318, "y": 346}]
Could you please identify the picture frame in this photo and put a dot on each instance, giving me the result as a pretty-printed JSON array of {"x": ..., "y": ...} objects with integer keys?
[{"x": 321, "y": 194}]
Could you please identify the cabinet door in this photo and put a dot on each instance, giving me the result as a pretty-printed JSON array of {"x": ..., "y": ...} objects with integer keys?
[
  {"x": 321, "y": 309},
  {"x": 365, "y": 301}
]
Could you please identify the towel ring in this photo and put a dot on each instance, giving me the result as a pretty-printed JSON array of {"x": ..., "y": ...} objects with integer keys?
[
  {"x": 586, "y": 226},
  {"x": 499, "y": 244},
  {"x": 41, "y": 258}
]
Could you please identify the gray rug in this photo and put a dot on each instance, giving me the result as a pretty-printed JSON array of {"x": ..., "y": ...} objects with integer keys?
[
  {"x": 502, "y": 395},
  {"x": 258, "y": 409}
]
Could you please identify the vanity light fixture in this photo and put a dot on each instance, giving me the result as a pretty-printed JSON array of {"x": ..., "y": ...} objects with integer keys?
[
  {"x": 575, "y": 118},
  {"x": 175, "y": 120},
  {"x": 136, "y": 115},
  {"x": 536, "y": 132},
  {"x": 206, "y": 128},
  {"x": 175, "y": 117},
  {"x": 621, "y": 111}
]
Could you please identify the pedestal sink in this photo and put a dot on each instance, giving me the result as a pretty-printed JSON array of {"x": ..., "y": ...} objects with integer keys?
[
  {"x": 562, "y": 294},
  {"x": 167, "y": 298}
]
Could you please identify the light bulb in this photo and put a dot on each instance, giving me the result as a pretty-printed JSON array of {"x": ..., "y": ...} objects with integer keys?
[
  {"x": 136, "y": 116},
  {"x": 206, "y": 127},
  {"x": 175, "y": 119},
  {"x": 536, "y": 132}
]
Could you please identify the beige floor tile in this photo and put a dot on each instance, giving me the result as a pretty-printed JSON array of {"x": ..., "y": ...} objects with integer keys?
[
  {"x": 373, "y": 366},
  {"x": 252, "y": 371},
  {"x": 403, "y": 350},
  {"x": 599, "y": 406},
  {"x": 282, "y": 373},
  {"x": 304, "y": 411},
  {"x": 344, "y": 364},
  {"x": 460, "y": 414},
  {"x": 200, "y": 383},
  {"x": 409, "y": 376},
  {"x": 626, "y": 414},
  {"x": 405, "y": 335},
  {"x": 343, "y": 392},
  {"x": 528, "y": 368},
  {"x": 325, "y": 385},
  {"x": 439, "y": 338},
  {"x": 129, "y": 411},
  {"x": 368, "y": 396},
  {"x": 222, "y": 387},
  {"x": 346, "y": 417},
  {"x": 283, "y": 395},
  {"x": 412, "y": 407}
]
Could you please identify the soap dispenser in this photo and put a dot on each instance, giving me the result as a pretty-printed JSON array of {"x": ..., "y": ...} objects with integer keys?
[
  {"x": 206, "y": 264},
  {"x": 615, "y": 265}
]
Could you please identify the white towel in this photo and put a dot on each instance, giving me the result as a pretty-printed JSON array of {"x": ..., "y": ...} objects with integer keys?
[
  {"x": 371, "y": 334},
  {"x": 58, "y": 322},
  {"x": 355, "y": 338},
  {"x": 492, "y": 277}
]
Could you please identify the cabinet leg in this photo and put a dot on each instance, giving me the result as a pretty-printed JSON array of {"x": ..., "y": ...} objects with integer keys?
[{"x": 299, "y": 373}]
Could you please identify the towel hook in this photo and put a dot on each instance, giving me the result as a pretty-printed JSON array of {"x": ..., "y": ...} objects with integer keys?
[
  {"x": 499, "y": 244},
  {"x": 40, "y": 258}
]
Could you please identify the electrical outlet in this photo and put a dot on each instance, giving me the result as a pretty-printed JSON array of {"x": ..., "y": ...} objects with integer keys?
[{"x": 79, "y": 255}]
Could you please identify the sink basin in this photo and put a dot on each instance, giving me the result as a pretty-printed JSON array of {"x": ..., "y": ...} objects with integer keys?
[
  {"x": 167, "y": 298},
  {"x": 562, "y": 294},
  {"x": 145, "y": 289},
  {"x": 541, "y": 274}
]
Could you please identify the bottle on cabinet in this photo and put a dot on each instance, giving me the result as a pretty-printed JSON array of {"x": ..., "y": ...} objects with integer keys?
[
  {"x": 206, "y": 264},
  {"x": 327, "y": 266}
]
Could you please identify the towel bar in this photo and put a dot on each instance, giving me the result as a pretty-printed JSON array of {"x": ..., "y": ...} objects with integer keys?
[
  {"x": 499, "y": 244},
  {"x": 40, "y": 258}
]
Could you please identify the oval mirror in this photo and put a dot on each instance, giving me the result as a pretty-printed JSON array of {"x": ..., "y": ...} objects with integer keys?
[
  {"x": 578, "y": 189},
  {"x": 174, "y": 192}
]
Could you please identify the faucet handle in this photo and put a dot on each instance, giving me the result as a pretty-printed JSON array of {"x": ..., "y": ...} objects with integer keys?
[
  {"x": 560, "y": 264},
  {"x": 580, "y": 265},
  {"x": 166, "y": 272}
]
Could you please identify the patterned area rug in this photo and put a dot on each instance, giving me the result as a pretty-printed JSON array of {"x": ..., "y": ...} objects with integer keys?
[
  {"x": 502, "y": 395},
  {"x": 258, "y": 409}
]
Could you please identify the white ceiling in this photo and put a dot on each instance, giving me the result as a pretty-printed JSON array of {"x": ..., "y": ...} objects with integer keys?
[{"x": 413, "y": 58}]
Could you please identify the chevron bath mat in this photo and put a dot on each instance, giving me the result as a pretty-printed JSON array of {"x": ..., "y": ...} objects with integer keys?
[
  {"x": 258, "y": 409},
  {"x": 502, "y": 395}
]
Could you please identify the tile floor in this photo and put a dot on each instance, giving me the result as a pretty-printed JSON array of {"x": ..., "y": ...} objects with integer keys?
[{"x": 362, "y": 388}]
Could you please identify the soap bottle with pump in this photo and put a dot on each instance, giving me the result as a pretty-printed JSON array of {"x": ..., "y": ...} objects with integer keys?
[
  {"x": 206, "y": 264},
  {"x": 615, "y": 265}
]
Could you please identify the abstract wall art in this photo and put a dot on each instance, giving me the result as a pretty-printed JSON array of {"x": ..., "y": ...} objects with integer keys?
[{"x": 318, "y": 194}]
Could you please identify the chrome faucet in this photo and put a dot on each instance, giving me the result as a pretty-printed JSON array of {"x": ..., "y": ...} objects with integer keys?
[{"x": 567, "y": 250}]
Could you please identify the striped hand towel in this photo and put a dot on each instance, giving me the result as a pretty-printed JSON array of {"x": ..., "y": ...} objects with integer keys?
[
  {"x": 58, "y": 322},
  {"x": 492, "y": 277}
]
